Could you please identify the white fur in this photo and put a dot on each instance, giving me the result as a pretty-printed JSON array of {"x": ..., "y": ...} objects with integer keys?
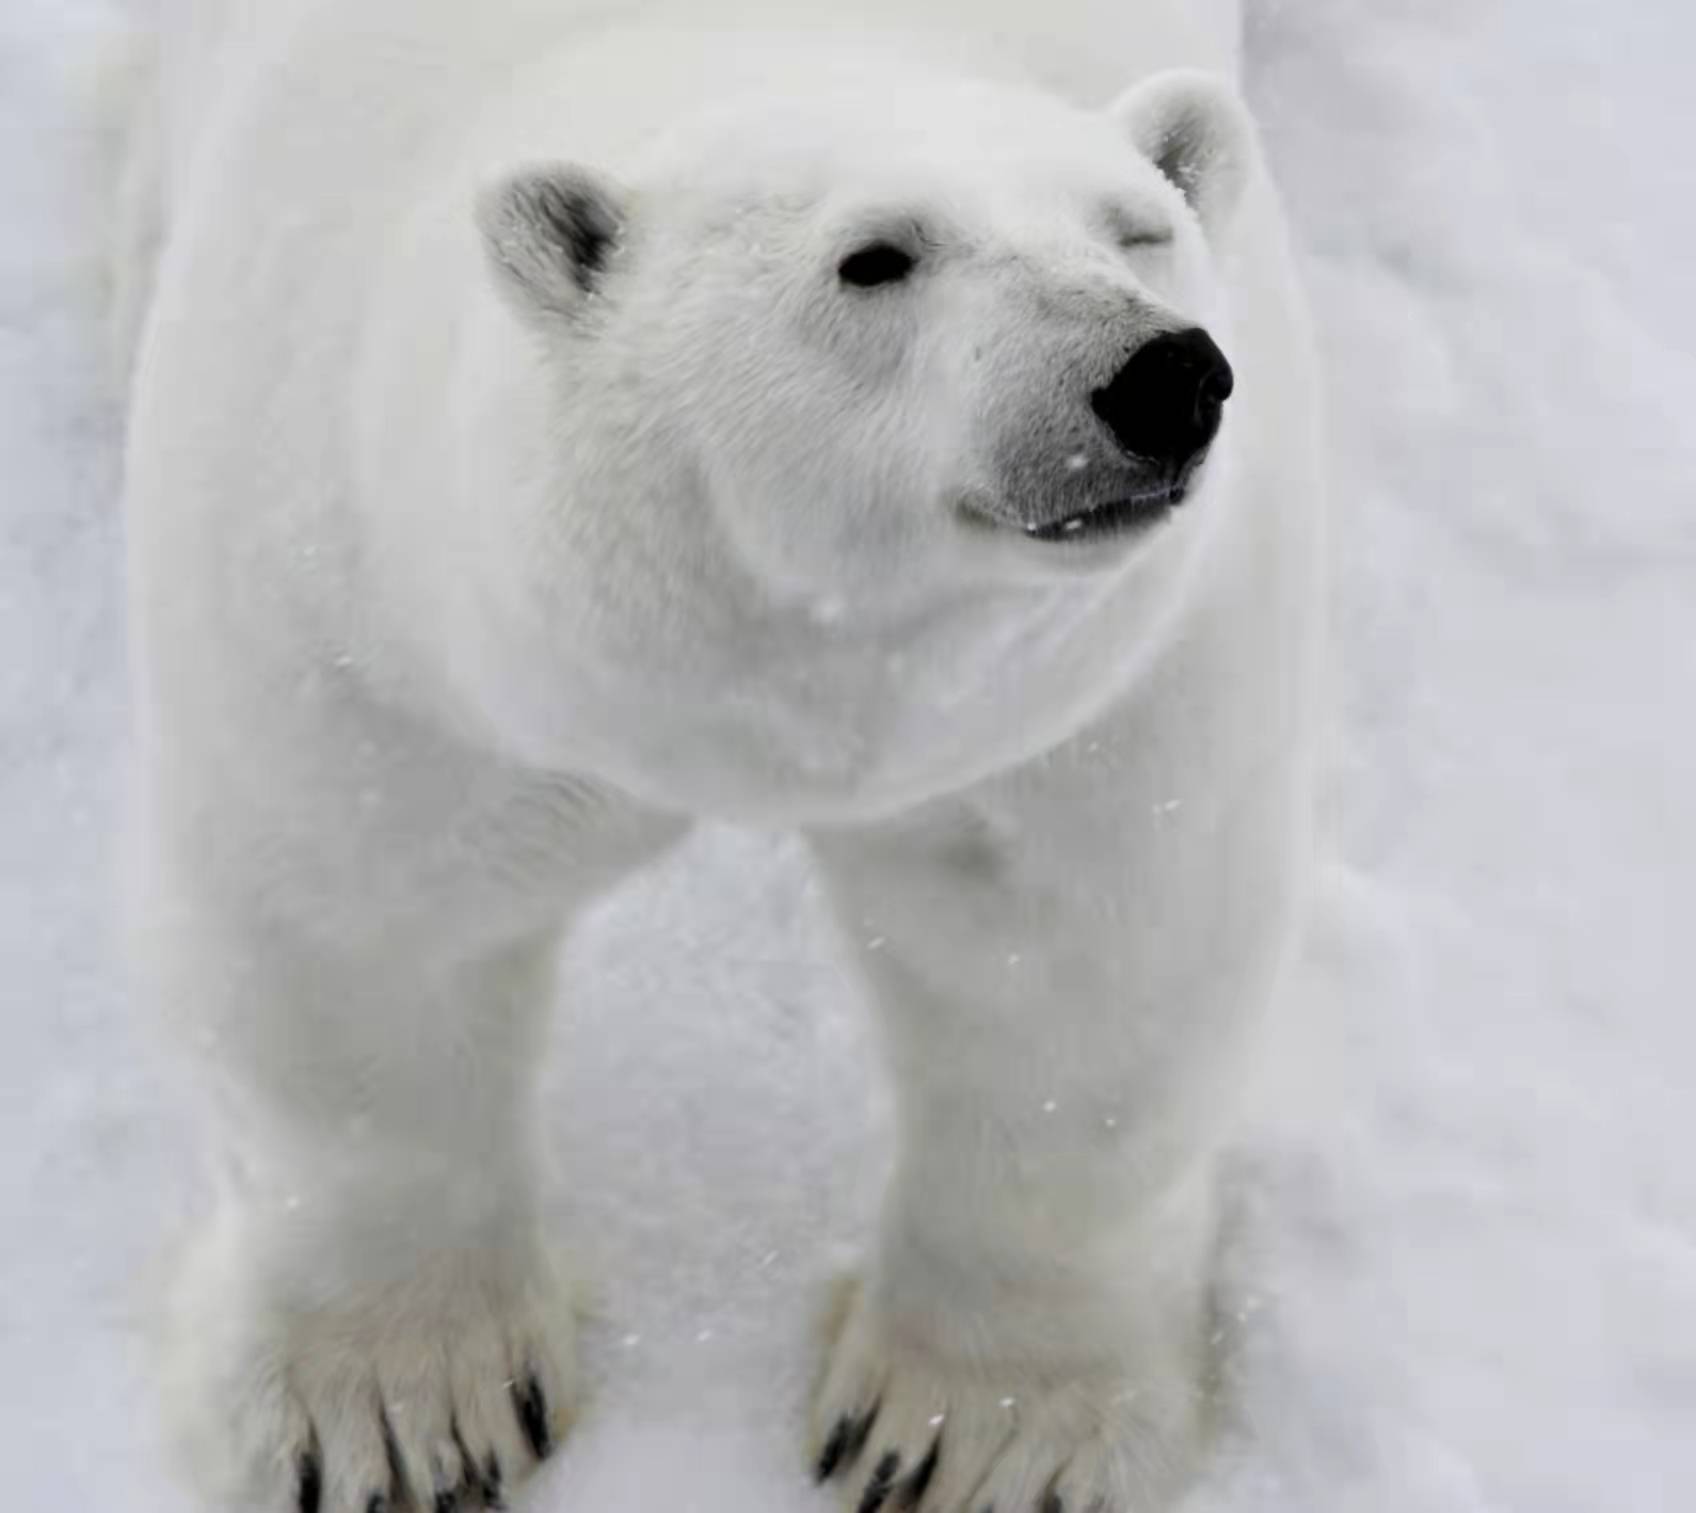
[{"x": 464, "y": 578}]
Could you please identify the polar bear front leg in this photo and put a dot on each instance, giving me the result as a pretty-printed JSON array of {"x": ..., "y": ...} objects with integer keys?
[
  {"x": 371, "y": 1320},
  {"x": 1068, "y": 970}
]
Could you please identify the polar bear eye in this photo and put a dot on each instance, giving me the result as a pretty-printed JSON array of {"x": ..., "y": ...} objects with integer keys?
[
  {"x": 1134, "y": 232},
  {"x": 1133, "y": 241},
  {"x": 876, "y": 263}
]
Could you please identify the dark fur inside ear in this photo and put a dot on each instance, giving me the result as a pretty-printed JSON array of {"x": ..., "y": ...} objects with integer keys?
[
  {"x": 550, "y": 233},
  {"x": 1195, "y": 130}
]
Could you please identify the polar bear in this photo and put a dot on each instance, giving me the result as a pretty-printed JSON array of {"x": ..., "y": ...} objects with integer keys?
[{"x": 556, "y": 421}]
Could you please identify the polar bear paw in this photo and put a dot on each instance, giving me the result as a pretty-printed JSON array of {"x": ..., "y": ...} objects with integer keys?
[
  {"x": 903, "y": 1429},
  {"x": 438, "y": 1392}
]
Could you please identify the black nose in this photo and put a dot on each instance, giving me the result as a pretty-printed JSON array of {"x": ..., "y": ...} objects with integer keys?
[{"x": 1164, "y": 404}]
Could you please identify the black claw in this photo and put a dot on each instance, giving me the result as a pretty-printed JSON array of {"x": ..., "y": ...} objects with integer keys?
[
  {"x": 446, "y": 1502},
  {"x": 493, "y": 1493},
  {"x": 834, "y": 1449},
  {"x": 532, "y": 1406},
  {"x": 846, "y": 1442},
  {"x": 1054, "y": 1503},
  {"x": 309, "y": 1484},
  {"x": 919, "y": 1482},
  {"x": 882, "y": 1482},
  {"x": 378, "y": 1502}
]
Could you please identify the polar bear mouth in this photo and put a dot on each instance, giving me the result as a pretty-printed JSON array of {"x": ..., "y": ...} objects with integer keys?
[{"x": 1114, "y": 518}]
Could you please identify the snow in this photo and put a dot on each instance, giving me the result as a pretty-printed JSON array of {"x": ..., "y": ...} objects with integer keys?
[{"x": 1463, "y": 1250}]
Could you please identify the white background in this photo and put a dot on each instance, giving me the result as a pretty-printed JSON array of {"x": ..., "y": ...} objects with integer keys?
[{"x": 1464, "y": 1227}]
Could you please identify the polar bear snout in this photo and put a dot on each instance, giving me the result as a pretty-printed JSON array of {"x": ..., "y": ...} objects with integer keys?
[
  {"x": 1157, "y": 417},
  {"x": 1165, "y": 404}
]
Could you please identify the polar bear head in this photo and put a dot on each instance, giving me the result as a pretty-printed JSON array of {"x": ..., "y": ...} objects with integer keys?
[{"x": 873, "y": 339}]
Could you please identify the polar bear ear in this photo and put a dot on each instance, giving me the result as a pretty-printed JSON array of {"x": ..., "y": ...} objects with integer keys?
[
  {"x": 1195, "y": 129},
  {"x": 550, "y": 233}
]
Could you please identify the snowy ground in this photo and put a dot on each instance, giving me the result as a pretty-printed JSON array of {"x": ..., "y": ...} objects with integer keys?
[{"x": 1466, "y": 1249}]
